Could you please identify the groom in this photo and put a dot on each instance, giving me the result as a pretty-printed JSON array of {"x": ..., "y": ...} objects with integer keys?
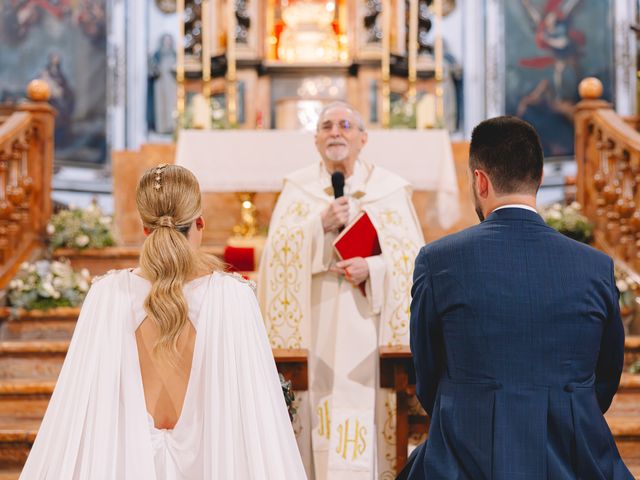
[{"x": 515, "y": 333}]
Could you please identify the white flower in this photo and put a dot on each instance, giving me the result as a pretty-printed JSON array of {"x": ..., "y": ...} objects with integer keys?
[
  {"x": 105, "y": 220},
  {"x": 575, "y": 205},
  {"x": 91, "y": 208},
  {"x": 83, "y": 285},
  {"x": 555, "y": 215},
  {"x": 42, "y": 267},
  {"x": 48, "y": 290},
  {"x": 82, "y": 240},
  {"x": 85, "y": 273},
  {"x": 622, "y": 285},
  {"x": 25, "y": 265},
  {"x": 13, "y": 284},
  {"x": 60, "y": 269},
  {"x": 51, "y": 229}
]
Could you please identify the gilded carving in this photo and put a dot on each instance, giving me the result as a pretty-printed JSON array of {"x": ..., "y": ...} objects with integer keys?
[
  {"x": 285, "y": 313},
  {"x": 401, "y": 250}
]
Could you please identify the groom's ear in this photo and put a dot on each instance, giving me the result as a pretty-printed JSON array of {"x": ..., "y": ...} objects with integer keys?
[{"x": 482, "y": 182}]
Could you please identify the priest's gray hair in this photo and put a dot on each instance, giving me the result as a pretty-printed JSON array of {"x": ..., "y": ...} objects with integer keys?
[{"x": 345, "y": 105}]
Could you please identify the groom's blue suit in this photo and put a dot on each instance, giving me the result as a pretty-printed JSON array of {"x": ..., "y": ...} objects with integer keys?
[{"x": 518, "y": 347}]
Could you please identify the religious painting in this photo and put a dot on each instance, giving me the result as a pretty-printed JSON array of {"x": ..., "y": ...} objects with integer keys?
[
  {"x": 62, "y": 42},
  {"x": 550, "y": 46}
]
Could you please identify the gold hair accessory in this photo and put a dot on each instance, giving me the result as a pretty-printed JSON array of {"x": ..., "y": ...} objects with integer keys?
[{"x": 159, "y": 171}]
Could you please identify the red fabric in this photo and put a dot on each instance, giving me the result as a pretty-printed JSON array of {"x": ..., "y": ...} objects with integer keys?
[{"x": 240, "y": 259}]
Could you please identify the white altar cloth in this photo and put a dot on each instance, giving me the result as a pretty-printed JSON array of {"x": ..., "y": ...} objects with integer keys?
[{"x": 258, "y": 160}]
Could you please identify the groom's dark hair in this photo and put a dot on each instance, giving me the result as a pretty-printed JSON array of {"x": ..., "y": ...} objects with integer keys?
[{"x": 509, "y": 151}]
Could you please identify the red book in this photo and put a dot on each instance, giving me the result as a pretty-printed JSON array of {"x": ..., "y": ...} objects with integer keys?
[{"x": 358, "y": 239}]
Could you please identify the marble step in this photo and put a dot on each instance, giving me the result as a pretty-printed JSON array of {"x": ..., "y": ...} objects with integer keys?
[
  {"x": 55, "y": 324},
  {"x": 631, "y": 349},
  {"x": 10, "y": 474},
  {"x": 36, "y": 359}
]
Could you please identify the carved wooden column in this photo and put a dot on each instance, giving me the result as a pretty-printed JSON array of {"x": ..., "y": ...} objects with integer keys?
[
  {"x": 612, "y": 193},
  {"x": 601, "y": 185},
  {"x": 6, "y": 209},
  {"x": 625, "y": 206}
]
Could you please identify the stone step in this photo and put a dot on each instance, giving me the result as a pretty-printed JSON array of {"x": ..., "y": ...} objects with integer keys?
[
  {"x": 16, "y": 438},
  {"x": 36, "y": 359},
  {"x": 54, "y": 324},
  {"x": 629, "y": 383},
  {"x": 10, "y": 474},
  {"x": 631, "y": 350}
]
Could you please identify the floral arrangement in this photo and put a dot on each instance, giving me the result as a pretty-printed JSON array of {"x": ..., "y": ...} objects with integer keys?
[
  {"x": 569, "y": 221},
  {"x": 45, "y": 284},
  {"x": 80, "y": 228},
  {"x": 289, "y": 396},
  {"x": 402, "y": 114}
]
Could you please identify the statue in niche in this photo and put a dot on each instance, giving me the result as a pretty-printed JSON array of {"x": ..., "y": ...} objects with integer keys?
[
  {"x": 161, "y": 96},
  {"x": 62, "y": 98}
]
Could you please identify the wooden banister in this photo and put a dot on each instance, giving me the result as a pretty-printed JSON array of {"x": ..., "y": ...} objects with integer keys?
[
  {"x": 608, "y": 160},
  {"x": 26, "y": 167}
]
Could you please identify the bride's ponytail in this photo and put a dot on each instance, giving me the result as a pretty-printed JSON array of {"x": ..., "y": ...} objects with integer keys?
[{"x": 169, "y": 201}]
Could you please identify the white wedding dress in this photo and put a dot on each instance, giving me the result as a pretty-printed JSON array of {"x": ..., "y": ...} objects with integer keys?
[{"x": 234, "y": 423}]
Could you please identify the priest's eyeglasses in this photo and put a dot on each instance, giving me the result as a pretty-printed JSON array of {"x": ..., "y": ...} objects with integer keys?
[{"x": 344, "y": 126}]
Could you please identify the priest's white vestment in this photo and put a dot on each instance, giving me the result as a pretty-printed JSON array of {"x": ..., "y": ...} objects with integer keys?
[
  {"x": 234, "y": 422},
  {"x": 346, "y": 424}
]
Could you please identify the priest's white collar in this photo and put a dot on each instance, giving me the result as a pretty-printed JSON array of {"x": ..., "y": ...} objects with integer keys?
[{"x": 354, "y": 185}]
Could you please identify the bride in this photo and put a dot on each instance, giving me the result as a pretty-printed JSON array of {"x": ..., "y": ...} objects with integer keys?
[{"x": 169, "y": 374}]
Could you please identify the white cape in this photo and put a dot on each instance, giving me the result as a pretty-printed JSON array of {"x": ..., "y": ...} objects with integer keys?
[{"x": 234, "y": 423}]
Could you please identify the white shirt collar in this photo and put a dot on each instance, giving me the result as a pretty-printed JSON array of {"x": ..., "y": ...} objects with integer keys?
[{"x": 517, "y": 205}]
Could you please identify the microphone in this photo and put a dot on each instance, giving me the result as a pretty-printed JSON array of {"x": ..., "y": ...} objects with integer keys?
[{"x": 337, "y": 181}]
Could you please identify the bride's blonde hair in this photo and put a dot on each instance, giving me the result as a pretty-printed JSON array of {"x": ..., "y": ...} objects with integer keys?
[{"x": 169, "y": 201}]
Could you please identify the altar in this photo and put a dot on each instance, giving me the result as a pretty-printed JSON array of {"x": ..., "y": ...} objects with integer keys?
[{"x": 258, "y": 160}]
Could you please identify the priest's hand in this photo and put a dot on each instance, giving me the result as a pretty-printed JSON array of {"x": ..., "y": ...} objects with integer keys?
[
  {"x": 355, "y": 270},
  {"x": 336, "y": 215}
]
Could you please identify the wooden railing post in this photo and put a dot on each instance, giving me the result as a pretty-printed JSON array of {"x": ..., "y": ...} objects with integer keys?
[
  {"x": 590, "y": 90},
  {"x": 40, "y": 153}
]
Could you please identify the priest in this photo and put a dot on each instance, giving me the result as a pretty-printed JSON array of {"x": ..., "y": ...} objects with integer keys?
[{"x": 341, "y": 310}]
